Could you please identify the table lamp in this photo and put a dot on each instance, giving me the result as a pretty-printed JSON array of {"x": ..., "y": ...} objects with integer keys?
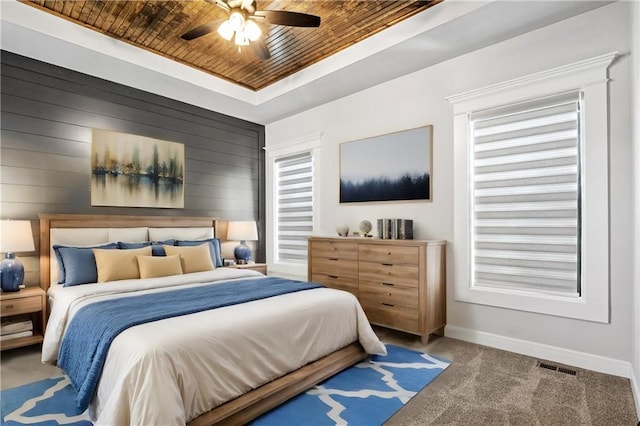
[
  {"x": 242, "y": 231},
  {"x": 15, "y": 236}
]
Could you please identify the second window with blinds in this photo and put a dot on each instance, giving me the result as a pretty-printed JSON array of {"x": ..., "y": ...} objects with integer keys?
[{"x": 525, "y": 164}]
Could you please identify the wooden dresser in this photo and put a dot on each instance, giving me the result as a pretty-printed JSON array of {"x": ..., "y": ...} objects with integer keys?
[{"x": 399, "y": 283}]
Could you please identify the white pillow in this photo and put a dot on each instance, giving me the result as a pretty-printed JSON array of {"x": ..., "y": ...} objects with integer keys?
[
  {"x": 129, "y": 235},
  {"x": 161, "y": 234}
]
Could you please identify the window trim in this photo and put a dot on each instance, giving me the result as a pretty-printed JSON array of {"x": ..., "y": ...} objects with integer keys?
[
  {"x": 590, "y": 78},
  {"x": 309, "y": 143}
]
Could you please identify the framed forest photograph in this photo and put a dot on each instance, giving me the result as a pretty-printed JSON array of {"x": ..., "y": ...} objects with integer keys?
[
  {"x": 391, "y": 167},
  {"x": 136, "y": 171}
]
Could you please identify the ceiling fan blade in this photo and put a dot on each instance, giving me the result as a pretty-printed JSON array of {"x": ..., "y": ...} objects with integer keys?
[
  {"x": 249, "y": 5},
  {"x": 260, "y": 49},
  {"x": 222, "y": 4},
  {"x": 291, "y": 19},
  {"x": 199, "y": 31}
]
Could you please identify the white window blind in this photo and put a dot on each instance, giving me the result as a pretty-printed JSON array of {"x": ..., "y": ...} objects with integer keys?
[
  {"x": 294, "y": 206},
  {"x": 525, "y": 198}
]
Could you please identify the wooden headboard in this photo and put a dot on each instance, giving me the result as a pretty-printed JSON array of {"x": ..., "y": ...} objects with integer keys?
[{"x": 49, "y": 221}]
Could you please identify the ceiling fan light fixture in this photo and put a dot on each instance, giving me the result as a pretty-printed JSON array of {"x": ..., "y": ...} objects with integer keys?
[
  {"x": 225, "y": 30},
  {"x": 236, "y": 20},
  {"x": 241, "y": 39},
  {"x": 241, "y": 26},
  {"x": 252, "y": 30}
]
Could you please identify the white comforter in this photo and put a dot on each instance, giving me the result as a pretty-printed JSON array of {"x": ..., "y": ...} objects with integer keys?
[{"x": 170, "y": 371}]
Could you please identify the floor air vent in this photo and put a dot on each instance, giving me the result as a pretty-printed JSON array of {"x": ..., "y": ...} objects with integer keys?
[
  {"x": 556, "y": 368},
  {"x": 567, "y": 371},
  {"x": 547, "y": 366}
]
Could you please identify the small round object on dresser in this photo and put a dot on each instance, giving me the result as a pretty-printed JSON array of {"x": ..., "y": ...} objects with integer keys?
[
  {"x": 342, "y": 230},
  {"x": 365, "y": 227}
]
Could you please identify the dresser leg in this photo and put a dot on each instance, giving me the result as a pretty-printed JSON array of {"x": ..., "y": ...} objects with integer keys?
[{"x": 424, "y": 339}]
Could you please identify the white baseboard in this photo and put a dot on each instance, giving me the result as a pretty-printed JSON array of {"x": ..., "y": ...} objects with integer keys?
[
  {"x": 635, "y": 388},
  {"x": 587, "y": 361}
]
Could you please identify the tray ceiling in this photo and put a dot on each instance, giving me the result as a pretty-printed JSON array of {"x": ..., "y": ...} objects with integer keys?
[{"x": 156, "y": 25}]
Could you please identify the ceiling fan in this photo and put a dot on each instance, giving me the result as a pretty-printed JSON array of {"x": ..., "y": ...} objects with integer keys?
[{"x": 241, "y": 23}]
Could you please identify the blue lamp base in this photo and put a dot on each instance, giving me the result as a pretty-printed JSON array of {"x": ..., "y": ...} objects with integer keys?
[
  {"x": 11, "y": 273},
  {"x": 242, "y": 253}
]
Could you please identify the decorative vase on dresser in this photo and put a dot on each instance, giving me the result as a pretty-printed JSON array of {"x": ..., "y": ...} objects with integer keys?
[{"x": 399, "y": 283}]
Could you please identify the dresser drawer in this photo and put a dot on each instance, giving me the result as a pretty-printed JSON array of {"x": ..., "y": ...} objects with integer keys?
[
  {"x": 389, "y": 254},
  {"x": 389, "y": 273},
  {"x": 397, "y": 317},
  {"x": 21, "y": 305},
  {"x": 342, "y": 250},
  {"x": 337, "y": 282},
  {"x": 377, "y": 292},
  {"x": 331, "y": 266}
]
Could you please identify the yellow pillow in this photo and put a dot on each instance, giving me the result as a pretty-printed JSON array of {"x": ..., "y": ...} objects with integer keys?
[
  {"x": 159, "y": 266},
  {"x": 193, "y": 258},
  {"x": 113, "y": 265}
]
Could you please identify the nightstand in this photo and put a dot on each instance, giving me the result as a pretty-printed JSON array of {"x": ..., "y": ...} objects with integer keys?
[
  {"x": 30, "y": 300},
  {"x": 260, "y": 267}
]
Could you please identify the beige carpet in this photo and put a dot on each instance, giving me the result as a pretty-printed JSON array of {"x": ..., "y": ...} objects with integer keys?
[
  {"x": 485, "y": 386},
  {"x": 482, "y": 386}
]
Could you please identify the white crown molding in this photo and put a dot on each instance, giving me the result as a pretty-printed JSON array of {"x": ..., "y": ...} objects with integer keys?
[
  {"x": 566, "y": 77},
  {"x": 584, "y": 360},
  {"x": 310, "y": 141}
]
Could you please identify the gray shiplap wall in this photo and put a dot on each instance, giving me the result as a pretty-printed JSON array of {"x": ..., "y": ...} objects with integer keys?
[{"x": 47, "y": 116}]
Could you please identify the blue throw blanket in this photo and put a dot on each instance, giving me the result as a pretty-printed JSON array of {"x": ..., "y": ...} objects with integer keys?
[{"x": 84, "y": 348}]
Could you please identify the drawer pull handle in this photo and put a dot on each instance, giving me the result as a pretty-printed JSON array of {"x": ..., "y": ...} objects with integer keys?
[
  {"x": 387, "y": 264},
  {"x": 388, "y": 253},
  {"x": 334, "y": 248},
  {"x": 334, "y": 277},
  {"x": 388, "y": 304},
  {"x": 9, "y": 306},
  {"x": 333, "y": 258},
  {"x": 389, "y": 284}
]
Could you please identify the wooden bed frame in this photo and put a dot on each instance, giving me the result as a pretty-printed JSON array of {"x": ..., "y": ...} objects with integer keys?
[{"x": 250, "y": 405}]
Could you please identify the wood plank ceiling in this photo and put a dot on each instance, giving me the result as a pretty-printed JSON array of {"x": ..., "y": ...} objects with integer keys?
[{"x": 156, "y": 25}]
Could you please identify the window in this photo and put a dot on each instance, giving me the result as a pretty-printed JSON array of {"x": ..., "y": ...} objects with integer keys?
[
  {"x": 293, "y": 207},
  {"x": 531, "y": 220},
  {"x": 525, "y": 209}
]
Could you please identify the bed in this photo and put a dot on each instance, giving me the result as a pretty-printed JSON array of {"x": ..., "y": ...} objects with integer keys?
[{"x": 223, "y": 365}]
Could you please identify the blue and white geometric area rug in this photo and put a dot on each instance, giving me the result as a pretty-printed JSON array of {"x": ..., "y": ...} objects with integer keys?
[
  {"x": 47, "y": 402},
  {"x": 366, "y": 394}
]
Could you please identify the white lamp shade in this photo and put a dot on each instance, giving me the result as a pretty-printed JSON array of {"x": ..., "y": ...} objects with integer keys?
[
  {"x": 16, "y": 236},
  {"x": 242, "y": 231},
  {"x": 252, "y": 30},
  {"x": 236, "y": 20},
  {"x": 225, "y": 30}
]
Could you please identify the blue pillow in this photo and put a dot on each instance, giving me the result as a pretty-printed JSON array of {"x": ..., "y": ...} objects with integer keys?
[
  {"x": 215, "y": 248},
  {"x": 77, "y": 265},
  {"x": 156, "y": 246}
]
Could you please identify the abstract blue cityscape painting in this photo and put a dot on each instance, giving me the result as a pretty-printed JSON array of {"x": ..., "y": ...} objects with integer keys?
[
  {"x": 136, "y": 171},
  {"x": 392, "y": 167}
]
